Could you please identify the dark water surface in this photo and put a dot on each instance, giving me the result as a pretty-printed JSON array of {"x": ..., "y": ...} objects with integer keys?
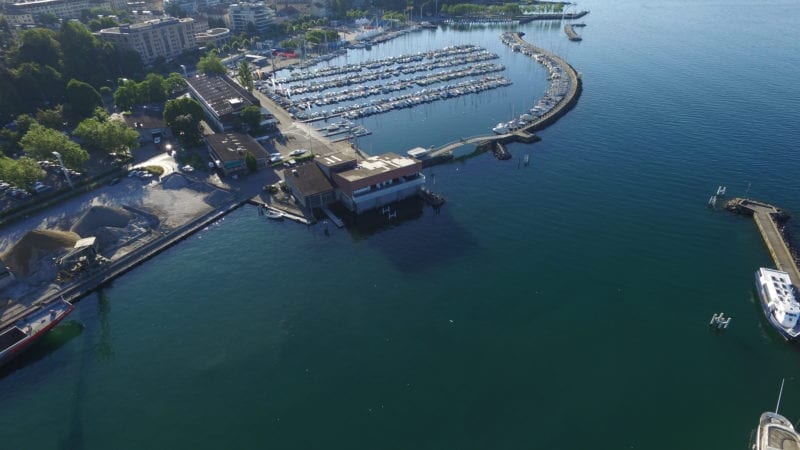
[{"x": 558, "y": 306}]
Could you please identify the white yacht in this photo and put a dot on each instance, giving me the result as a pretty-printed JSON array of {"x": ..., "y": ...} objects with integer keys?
[
  {"x": 778, "y": 300},
  {"x": 775, "y": 432},
  {"x": 501, "y": 128}
]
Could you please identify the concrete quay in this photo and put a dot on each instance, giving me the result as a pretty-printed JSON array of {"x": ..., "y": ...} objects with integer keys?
[
  {"x": 80, "y": 288},
  {"x": 765, "y": 216}
]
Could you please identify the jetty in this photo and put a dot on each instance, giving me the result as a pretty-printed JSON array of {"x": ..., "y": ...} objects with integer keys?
[
  {"x": 565, "y": 84},
  {"x": 768, "y": 218},
  {"x": 571, "y": 34}
]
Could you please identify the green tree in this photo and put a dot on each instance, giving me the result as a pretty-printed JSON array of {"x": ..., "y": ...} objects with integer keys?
[
  {"x": 82, "y": 98},
  {"x": 20, "y": 172},
  {"x": 251, "y": 116},
  {"x": 211, "y": 64},
  {"x": 40, "y": 143},
  {"x": 109, "y": 136},
  {"x": 174, "y": 84},
  {"x": 245, "y": 76},
  {"x": 152, "y": 89},
  {"x": 182, "y": 106},
  {"x": 126, "y": 95},
  {"x": 37, "y": 46},
  {"x": 51, "y": 118},
  {"x": 250, "y": 161},
  {"x": 187, "y": 128},
  {"x": 38, "y": 84}
]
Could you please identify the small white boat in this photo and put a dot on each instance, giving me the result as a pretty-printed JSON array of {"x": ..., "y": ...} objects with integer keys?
[
  {"x": 501, "y": 128},
  {"x": 721, "y": 191},
  {"x": 775, "y": 432},
  {"x": 273, "y": 214}
]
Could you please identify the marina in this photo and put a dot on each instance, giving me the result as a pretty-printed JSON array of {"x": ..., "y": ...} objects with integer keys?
[{"x": 368, "y": 337}]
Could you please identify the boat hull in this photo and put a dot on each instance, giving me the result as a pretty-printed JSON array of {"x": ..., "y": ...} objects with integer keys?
[
  {"x": 789, "y": 335},
  {"x": 15, "y": 350}
]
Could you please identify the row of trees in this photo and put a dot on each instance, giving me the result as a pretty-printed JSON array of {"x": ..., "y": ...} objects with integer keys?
[
  {"x": 153, "y": 89},
  {"x": 472, "y": 9}
]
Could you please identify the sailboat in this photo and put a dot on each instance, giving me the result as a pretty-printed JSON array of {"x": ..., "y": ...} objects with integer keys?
[{"x": 775, "y": 432}]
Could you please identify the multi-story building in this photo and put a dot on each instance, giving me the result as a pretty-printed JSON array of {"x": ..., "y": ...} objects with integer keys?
[
  {"x": 160, "y": 37},
  {"x": 25, "y": 13},
  {"x": 216, "y": 36},
  {"x": 241, "y": 15},
  {"x": 378, "y": 181}
]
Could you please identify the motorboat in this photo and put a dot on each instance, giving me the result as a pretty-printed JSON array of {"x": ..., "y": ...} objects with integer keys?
[
  {"x": 775, "y": 432},
  {"x": 501, "y": 128},
  {"x": 778, "y": 299}
]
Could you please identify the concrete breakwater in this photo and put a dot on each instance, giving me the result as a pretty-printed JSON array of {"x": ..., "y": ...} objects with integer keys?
[
  {"x": 767, "y": 217},
  {"x": 571, "y": 34},
  {"x": 561, "y": 96}
]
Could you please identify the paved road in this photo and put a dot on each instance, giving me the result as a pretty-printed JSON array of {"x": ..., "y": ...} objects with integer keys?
[{"x": 775, "y": 243}]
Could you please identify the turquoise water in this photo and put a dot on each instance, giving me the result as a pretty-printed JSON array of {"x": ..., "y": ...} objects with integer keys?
[{"x": 562, "y": 306}]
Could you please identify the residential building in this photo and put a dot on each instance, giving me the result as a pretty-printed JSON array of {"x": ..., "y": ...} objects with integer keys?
[
  {"x": 25, "y": 13},
  {"x": 165, "y": 38},
  {"x": 378, "y": 181},
  {"x": 241, "y": 15},
  {"x": 228, "y": 150},
  {"x": 221, "y": 98},
  {"x": 216, "y": 36}
]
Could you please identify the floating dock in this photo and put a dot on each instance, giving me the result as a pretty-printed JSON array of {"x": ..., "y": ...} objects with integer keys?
[{"x": 767, "y": 218}]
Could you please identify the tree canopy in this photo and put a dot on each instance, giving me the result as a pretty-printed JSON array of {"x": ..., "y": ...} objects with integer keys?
[
  {"x": 82, "y": 98},
  {"x": 251, "y": 116},
  {"x": 183, "y": 115},
  {"x": 211, "y": 64},
  {"x": 20, "y": 172},
  {"x": 109, "y": 136},
  {"x": 40, "y": 143},
  {"x": 245, "y": 75}
]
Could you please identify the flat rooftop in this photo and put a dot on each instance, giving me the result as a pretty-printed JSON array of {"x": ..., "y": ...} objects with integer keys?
[
  {"x": 335, "y": 159},
  {"x": 220, "y": 93},
  {"x": 233, "y": 146},
  {"x": 308, "y": 179},
  {"x": 377, "y": 165}
]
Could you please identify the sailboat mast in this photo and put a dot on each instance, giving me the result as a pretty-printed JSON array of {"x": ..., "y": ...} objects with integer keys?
[{"x": 780, "y": 393}]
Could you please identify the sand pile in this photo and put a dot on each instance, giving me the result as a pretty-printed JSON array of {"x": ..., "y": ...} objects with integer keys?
[
  {"x": 174, "y": 181},
  {"x": 99, "y": 217},
  {"x": 23, "y": 255}
]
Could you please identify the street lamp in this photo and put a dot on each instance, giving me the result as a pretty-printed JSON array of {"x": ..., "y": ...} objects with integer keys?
[{"x": 64, "y": 169}]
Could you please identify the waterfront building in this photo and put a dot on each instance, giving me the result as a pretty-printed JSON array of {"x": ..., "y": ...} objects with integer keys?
[
  {"x": 216, "y": 36},
  {"x": 378, "y": 181},
  {"x": 228, "y": 150},
  {"x": 310, "y": 186},
  {"x": 165, "y": 38},
  {"x": 221, "y": 98},
  {"x": 241, "y": 15}
]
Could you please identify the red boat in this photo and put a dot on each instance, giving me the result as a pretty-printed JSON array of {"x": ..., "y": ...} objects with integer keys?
[{"x": 15, "y": 339}]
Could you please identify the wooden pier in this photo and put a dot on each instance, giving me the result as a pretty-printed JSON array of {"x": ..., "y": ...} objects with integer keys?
[{"x": 767, "y": 218}]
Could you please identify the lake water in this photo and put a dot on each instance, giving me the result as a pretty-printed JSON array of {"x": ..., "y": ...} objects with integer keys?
[{"x": 560, "y": 306}]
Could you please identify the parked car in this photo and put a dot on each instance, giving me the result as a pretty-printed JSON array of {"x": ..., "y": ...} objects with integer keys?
[
  {"x": 40, "y": 187},
  {"x": 298, "y": 152}
]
